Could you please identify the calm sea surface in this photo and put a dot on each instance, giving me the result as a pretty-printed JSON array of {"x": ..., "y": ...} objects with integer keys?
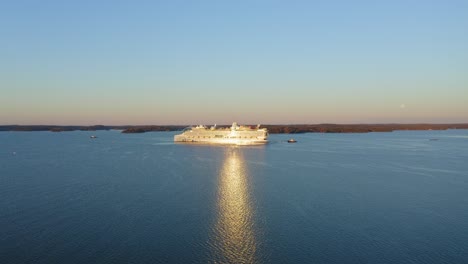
[{"x": 398, "y": 197}]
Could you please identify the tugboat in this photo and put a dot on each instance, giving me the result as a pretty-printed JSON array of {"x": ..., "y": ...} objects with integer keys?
[{"x": 292, "y": 140}]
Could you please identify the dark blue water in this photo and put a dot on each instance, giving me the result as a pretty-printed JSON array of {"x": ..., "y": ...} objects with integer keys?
[{"x": 138, "y": 198}]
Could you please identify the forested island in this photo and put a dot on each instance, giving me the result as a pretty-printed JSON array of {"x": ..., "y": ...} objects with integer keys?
[{"x": 273, "y": 129}]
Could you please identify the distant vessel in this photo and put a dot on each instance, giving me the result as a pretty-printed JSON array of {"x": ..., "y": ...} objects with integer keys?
[
  {"x": 93, "y": 136},
  {"x": 292, "y": 140},
  {"x": 235, "y": 135}
]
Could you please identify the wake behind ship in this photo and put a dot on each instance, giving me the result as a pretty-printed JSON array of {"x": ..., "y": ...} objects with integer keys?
[{"x": 235, "y": 135}]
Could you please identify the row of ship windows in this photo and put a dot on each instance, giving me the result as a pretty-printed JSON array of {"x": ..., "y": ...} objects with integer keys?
[{"x": 216, "y": 137}]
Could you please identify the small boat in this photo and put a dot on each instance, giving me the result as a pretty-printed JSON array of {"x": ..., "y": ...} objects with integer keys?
[
  {"x": 292, "y": 140},
  {"x": 93, "y": 136}
]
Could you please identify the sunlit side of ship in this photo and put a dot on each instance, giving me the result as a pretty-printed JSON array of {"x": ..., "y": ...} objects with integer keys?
[{"x": 235, "y": 135}]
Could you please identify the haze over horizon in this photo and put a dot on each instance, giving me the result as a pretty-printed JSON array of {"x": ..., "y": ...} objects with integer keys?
[{"x": 268, "y": 62}]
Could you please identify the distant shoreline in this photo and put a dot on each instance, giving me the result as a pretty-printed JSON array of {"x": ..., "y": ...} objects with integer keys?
[{"x": 273, "y": 129}]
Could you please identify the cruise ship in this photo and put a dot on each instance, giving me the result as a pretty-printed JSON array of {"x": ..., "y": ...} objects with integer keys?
[{"x": 235, "y": 135}]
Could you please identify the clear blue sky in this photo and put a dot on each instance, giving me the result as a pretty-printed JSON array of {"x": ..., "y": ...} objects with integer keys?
[{"x": 190, "y": 62}]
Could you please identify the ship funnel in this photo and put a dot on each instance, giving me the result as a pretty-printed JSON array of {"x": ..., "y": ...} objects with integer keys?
[{"x": 234, "y": 126}]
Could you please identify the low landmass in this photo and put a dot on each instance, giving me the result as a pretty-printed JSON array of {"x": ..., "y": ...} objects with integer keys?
[
  {"x": 273, "y": 129},
  {"x": 357, "y": 128},
  {"x": 125, "y": 129}
]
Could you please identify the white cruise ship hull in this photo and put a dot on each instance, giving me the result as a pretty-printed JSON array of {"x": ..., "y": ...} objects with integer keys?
[{"x": 222, "y": 141}]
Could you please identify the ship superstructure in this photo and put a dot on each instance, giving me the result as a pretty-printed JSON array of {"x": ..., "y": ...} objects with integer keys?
[{"x": 236, "y": 135}]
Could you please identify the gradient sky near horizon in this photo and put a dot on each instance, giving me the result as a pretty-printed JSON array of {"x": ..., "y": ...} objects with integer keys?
[{"x": 270, "y": 62}]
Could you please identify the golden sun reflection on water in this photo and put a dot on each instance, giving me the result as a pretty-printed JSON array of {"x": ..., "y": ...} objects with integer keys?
[{"x": 235, "y": 238}]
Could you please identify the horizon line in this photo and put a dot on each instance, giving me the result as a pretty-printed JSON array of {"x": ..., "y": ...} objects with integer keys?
[{"x": 284, "y": 124}]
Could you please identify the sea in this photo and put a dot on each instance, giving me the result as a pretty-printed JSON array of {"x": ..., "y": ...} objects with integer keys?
[{"x": 396, "y": 197}]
